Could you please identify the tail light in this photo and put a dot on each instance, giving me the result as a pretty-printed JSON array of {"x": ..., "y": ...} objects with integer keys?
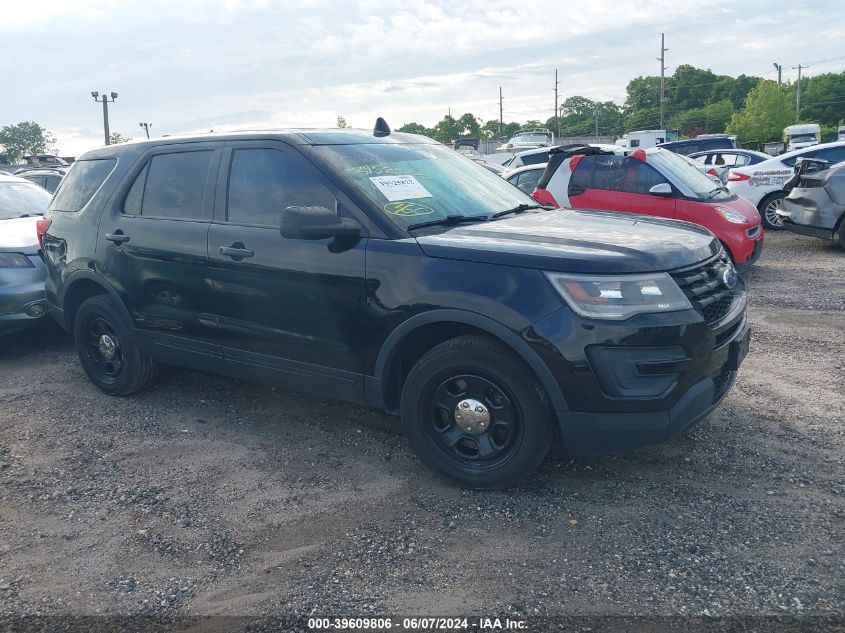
[
  {"x": 41, "y": 229},
  {"x": 737, "y": 176},
  {"x": 544, "y": 197},
  {"x": 712, "y": 172}
]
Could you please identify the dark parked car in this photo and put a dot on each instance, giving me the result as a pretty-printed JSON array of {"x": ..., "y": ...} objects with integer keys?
[
  {"x": 386, "y": 269},
  {"x": 22, "y": 272},
  {"x": 699, "y": 144},
  {"x": 815, "y": 205},
  {"x": 47, "y": 177}
]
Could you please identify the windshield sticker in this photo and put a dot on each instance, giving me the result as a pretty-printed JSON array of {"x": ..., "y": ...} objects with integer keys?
[
  {"x": 379, "y": 170},
  {"x": 407, "y": 209},
  {"x": 403, "y": 187}
]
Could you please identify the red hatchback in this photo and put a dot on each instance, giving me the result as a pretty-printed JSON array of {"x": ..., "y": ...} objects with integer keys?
[{"x": 654, "y": 182}]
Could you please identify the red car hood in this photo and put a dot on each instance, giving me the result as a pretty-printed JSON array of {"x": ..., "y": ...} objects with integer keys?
[{"x": 743, "y": 207}]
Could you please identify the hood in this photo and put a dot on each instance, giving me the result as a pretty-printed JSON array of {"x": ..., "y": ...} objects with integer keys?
[
  {"x": 577, "y": 241},
  {"x": 19, "y": 235}
]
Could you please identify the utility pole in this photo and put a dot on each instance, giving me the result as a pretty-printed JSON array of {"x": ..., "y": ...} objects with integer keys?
[
  {"x": 779, "y": 68},
  {"x": 662, "y": 60},
  {"x": 146, "y": 127},
  {"x": 557, "y": 125},
  {"x": 798, "y": 95},
  {"x": 501, "y": 120},
  {"x": 105, "y": 100}
]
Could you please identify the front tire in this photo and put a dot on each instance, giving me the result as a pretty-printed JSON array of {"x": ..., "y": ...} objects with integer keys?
[
  {"x": 107, "y": 348},
  {"x": 475, "y": 413},
  {"x": 768, "y": 211}
]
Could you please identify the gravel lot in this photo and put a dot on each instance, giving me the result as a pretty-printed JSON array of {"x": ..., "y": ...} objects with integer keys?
[{"x": 208, "y": 496}]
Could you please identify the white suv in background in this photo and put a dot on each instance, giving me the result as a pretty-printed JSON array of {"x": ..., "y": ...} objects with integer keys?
[{"x": 762, "y": 184}]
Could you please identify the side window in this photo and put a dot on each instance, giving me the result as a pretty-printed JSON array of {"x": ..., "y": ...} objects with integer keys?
[
  {"x": 175, "y": 185},
  {"x": 582, "y": 177},
  {"x": 635, "y": 142},
  {"x": 132, "y": 203},
  {"x": 625, "y": 174},
  {"x": 741, "y": 160},
  {"x": 263, "y": 182},
  {"x": 832, "y": 154},
  {"x": 52, "y": 183},
  {"x": 528, "y": 180},
  {"x": 81, "y": 183}
]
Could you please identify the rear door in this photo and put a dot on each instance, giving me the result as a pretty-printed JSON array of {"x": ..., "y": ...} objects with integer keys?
[
  {"x": 153, "y": 240},
  {"x": 290, "y": 308},
  {"x": 618, "y": 183}
]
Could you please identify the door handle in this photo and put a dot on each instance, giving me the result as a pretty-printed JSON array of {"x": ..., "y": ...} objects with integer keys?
[
  {"x": 236, "y": 251},
  {"x": 117, "y": 237}
]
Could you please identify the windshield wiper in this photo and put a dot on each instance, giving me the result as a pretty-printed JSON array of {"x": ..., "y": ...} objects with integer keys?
[
  {"x": 520, "y": 208},
  {"x": 449, "y": 219}
]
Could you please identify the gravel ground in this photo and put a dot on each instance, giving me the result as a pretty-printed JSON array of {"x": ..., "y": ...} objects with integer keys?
[{"x": 208, "y": 496}]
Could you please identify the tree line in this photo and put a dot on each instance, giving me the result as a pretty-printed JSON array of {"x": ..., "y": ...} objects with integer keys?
[{"x": 697, "y": 101}]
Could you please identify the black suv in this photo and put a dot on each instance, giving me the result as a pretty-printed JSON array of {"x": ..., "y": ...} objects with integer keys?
[{"x": 389, "y": 270}]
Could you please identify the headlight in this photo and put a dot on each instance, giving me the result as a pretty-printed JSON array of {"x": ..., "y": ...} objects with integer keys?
[
  {"x": 14, "y": 260},
  {"x": 619, "y": 297},
  {"x": 731, "y": 216}
]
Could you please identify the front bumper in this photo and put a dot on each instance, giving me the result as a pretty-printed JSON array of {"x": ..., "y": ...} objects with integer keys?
[
  {"x": 654, "y": 398},
  {"x": 22, "y": 299}
]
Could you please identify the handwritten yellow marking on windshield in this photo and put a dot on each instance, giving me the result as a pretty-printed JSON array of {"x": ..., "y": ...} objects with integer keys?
[{"x": 407, "y": 209}]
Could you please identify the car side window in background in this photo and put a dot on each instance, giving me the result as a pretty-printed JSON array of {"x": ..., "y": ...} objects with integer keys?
[
  {"x": 263, "y": 182},
  {"x": 175, "y": 185},
  {"x": 528, "y": 180},
  {"x": 81, "y": 183},
  {"x": 51, "y": 183},
  {"x": 625, "y": 174},
  {"x": 582, "y": 177},
  {"x": 832, "y": 154}
]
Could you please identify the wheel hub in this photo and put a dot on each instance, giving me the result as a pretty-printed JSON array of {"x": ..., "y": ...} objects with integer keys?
[
  {"x": 472, "y": 416},
  {"x": 107, "y": 347}
]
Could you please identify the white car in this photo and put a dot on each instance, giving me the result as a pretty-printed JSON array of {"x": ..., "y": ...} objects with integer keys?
[
  {"x": 762, "y": 184},
  {"x": 541, "y": 155},
  {"x": 526, "y": 177}
]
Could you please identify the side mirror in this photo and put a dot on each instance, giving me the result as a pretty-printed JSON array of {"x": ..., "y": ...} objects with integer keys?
[
  {"x": 316, "y": 223},
  {"x": 662, "y": 189}
]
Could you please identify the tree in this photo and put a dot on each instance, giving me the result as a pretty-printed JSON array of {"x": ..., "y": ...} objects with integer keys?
[
  {"x": 822, "y": 98},
  {"x": 115, "y": 138},
  {"x": 712, "y": 118},
  {"x": 25, "y": 139},
  {"x": 341, "y": 122},
  {"x": 415, "y": 128},
  {"x": 768, "y": 109}
]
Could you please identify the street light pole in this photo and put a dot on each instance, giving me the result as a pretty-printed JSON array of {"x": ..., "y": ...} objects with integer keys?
[
  {"x": 105, "y": 101},
  {"x": 779, "y": 68},
  {"x": 146, "y": 127}
]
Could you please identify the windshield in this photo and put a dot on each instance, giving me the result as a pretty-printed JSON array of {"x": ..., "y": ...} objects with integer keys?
[
  {"x": 529, "y": 138},
  {"x": 802, "y": 138},
  {"x": 18, "y": 199},
  {"x": 421, "y": 183},
  {"x": 686, "y": 174}
]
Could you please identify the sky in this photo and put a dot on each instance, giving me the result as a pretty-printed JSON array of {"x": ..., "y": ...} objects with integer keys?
[{"x": 194, "y": 65}]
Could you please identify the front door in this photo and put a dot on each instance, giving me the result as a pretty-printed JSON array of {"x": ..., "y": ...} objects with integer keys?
[{"x": 289, "y": 309}]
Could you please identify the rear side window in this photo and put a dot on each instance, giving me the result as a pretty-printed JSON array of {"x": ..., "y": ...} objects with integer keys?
[
  {"x": 81, "y": 183},
  {"x": 582, "y": 177},
  {"x": 263, "y": 181},
  {"x": 171, "y": 186},
  {"x": 625, "y": 174}
]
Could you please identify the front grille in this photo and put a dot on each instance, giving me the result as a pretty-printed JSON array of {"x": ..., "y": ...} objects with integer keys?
[
  {"x": 722, "y": 380},
  {"x": 704, "y": 288}
]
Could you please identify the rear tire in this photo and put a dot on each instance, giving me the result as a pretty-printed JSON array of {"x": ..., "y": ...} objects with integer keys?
[
  {"x": 768, "y": 211},
  {"x": 108, "y": 350},
  {"x": 475, "y": 413}
]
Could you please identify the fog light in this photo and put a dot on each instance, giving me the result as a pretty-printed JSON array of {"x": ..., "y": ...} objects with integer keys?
[{"x": 35, "y": 309}]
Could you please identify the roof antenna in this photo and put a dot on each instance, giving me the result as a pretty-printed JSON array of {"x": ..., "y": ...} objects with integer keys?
[{"x": 381, "y": 128}]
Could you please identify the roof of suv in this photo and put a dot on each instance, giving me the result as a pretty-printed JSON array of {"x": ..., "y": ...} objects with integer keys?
[{"x": 295, "y": 136}]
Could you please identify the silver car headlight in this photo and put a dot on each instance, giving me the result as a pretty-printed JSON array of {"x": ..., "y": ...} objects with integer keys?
[
  {"x": 619, "y": 297},
  {"x": 14, "y": 260}
]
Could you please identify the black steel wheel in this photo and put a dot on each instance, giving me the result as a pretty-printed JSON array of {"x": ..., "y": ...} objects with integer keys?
[
  {"x": 474, "y": 412},
  {"x": 107, "y": 349}
]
